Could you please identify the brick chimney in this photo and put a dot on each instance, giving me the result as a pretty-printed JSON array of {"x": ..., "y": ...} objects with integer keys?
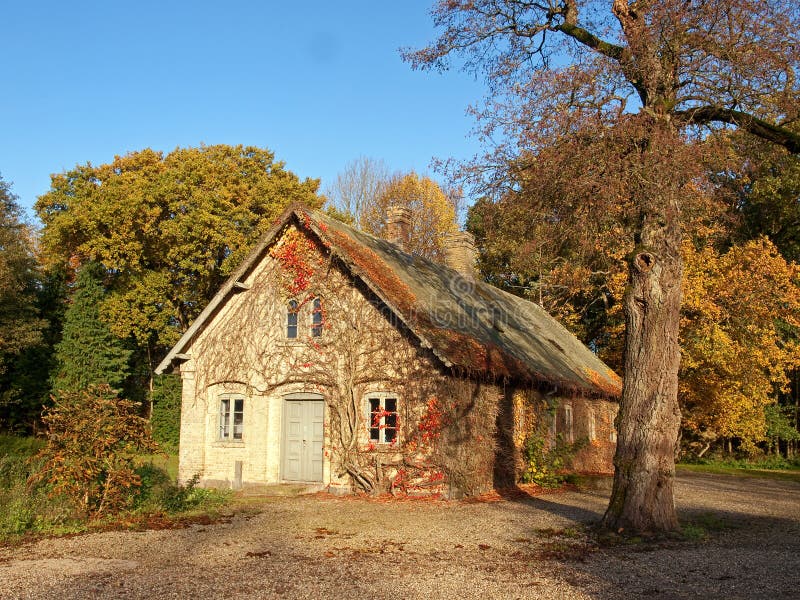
[
  {"x": 459, "y": 252},
  {"x": 398, "y": 226}
]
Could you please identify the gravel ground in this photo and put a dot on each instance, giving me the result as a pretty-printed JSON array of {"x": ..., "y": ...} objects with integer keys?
[{"x": 520, "y": 547}]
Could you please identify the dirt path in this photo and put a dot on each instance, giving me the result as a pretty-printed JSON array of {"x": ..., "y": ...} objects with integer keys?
[{"x": 313, "y": 547}]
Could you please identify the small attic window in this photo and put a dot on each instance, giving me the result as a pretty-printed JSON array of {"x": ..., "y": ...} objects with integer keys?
[{"x": 291, "y": 320}]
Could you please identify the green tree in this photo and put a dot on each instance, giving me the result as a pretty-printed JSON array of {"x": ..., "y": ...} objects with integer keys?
[
  {"x": 26, "y": 384},
  {"x": 20, "y": 323},
  {"x": 166, "y": 415},
  {"x": 89, "y": 353},
  {"x": 167, "y": 229},
  {"x": 626, "y": 82}
]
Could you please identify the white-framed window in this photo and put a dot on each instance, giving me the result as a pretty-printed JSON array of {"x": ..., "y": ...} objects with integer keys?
[
  {"x": 591, "y": 425},
  {"x": 317, "y": 317},
  {"x": 568, "y": 423},
  {"x": 231, "y": 417},
  {"x": 382, "y": 418},
  {"x": 291, "y": 319}
]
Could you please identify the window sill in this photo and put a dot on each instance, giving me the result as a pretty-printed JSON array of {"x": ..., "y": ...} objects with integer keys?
[
  {"x": 227, "y": 444},
  {"x": 385, "y": 446},
  {"x": 284, "y": 343}
]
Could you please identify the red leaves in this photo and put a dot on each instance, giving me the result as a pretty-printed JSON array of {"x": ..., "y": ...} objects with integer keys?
[
  {"x": 294, "y": 254},
  {"x": 431, "y": 423}
]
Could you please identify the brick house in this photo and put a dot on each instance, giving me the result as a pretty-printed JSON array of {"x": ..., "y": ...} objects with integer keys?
[{"x": 335, "y": 358}]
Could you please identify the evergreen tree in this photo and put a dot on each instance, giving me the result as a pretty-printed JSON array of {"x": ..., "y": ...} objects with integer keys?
[{"x": 89, "y": 354}]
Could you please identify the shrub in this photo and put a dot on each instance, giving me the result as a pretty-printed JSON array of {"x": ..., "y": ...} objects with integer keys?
[
  {"x": 93, "y": 437},
  {"x": 544, "y": 463},
  {"x": 159, "y": 493}
]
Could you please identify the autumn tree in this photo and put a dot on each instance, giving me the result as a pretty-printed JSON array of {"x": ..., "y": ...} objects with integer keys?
[
  {"x": 736, "y": 355},
  {"x": 432, "y": 213},
  {"x": 166, "y": 228},
  {"x": 644, "y": 75},
  {"x": 740, "y": 299}
]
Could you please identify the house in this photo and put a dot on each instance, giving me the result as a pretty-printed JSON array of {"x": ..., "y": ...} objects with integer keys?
[{"x": 336, "y": 358}]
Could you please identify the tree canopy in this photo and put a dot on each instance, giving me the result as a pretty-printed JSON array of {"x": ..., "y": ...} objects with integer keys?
[{"x": 167, "y": 229}]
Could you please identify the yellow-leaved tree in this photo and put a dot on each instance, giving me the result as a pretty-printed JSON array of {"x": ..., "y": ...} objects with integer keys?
[
  {"x": 736, "y": 347},
  {"x": 167, "y": 229},
  {"x": 433, "y": 213}
]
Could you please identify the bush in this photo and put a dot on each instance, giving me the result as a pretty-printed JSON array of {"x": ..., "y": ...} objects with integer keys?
[
  {"x": 158, "y": 493},
  {"x": 93, "y": 439},
  {"x": 544, "y": 464}
]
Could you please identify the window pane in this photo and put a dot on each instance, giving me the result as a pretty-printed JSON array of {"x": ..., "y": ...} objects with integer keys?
[
  {"x": 291, "y": 320},
  {"x": 390, "y": 419},
  {"x": 238, "y": 418},
  {"x": 224, "y": 417},
  {"x": 374, "y": 419},
  {"x": 316, "y": 318}
]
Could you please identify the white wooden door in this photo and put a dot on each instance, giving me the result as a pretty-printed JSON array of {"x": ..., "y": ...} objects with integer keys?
[{"x": 303, "y": 440}]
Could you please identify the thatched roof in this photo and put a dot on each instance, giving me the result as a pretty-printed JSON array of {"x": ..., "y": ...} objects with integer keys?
[{"x": 469, "y": 325}]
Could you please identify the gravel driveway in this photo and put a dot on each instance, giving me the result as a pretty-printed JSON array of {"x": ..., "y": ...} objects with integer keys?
[{"x": 520, "y": 547}]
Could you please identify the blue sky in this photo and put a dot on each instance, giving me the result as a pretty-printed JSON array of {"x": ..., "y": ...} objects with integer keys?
[{"x": 318, "y": 83}]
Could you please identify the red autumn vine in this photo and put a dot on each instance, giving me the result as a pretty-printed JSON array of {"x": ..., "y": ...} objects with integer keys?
[{"x": 294, "y": 254}]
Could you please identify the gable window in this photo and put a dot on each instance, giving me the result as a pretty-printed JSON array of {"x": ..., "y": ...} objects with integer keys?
[
  {"x": 316, "y": 318},
  {"x": 382, "y": 418},
  {"x": 291, "y": 320},
  {"x": 231, "y": 418}
]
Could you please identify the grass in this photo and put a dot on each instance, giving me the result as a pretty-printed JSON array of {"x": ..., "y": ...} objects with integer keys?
[
  {"x": 168, "y": 461},
  {"x": 738, "y": 471}
]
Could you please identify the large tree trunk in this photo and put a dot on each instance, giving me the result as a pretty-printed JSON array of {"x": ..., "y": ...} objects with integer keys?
[{"x": 649, "y": 416}]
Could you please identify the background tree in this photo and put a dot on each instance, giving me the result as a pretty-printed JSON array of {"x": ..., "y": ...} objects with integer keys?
[
  {"x": 736, "y": 354},
  {"x": 26, "y": 383},
  {"x": 432, "y": 213},
  {"x": 569, "y": 68},
  {"x": 357, "y": 187},
  {"x": 167, "y": 229},
  {"x": 20, "y": 323},
  {"x": 89, "y": 353}
]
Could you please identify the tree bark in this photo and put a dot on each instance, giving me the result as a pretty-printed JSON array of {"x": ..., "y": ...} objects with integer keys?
[{"x": 649, "y": 417}]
